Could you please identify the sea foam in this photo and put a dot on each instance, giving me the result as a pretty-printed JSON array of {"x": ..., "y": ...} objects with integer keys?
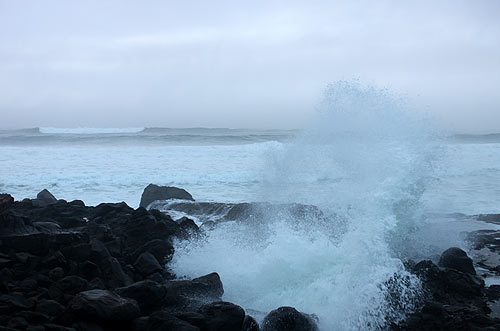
[{"x": 365, "y": 163}]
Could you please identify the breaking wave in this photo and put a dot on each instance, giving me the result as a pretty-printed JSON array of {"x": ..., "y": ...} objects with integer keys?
[{"x": 364, "y": 165}]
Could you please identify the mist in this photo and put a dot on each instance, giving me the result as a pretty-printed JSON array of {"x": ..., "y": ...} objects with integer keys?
[{"x": 263, "y": 64}]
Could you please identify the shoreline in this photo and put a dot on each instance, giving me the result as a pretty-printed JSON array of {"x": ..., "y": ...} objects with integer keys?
[{"x": 67, "y": 266}]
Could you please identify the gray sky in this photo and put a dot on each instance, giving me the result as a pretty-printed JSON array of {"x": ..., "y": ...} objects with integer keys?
[{"x": 261, "y": 64}]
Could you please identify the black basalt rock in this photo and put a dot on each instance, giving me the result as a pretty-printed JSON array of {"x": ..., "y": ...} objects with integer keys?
[
  {"x": 148, "y": 294},
  {"x": 6, "y": 200},
  {"x": 222, "y": 316},
  {"x": 288, "y": 319},
  {"x": 46, "y": 197},
  {"x": 154, "y": 192},
  {"x": 455, "y": 258},
  {"x": 103, "y": 305}
]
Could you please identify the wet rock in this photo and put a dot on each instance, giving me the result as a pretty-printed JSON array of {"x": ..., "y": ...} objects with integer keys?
[
  {"x": 193, "y": 318},
  {"x": 288, "y": 319},
  {"x": 46, "y": 197},
  {"x": 54, "y": 260},
  {"x": 89, "y": 270},
  {"x": 16, "y": 301},
  {"x": 146, "y": 264},
  {"x": 161, "y": 249},
  {"x": 162, "y": 320},
  {"x": 55, "y": 327},
  {"x": 6, "y": 200},
  {"x": 208, "y": 287},
  {"x": 72, "y": 284},
  {"x": 50, "y": 308},
  {"x": 56, "y": 273},
  {"x": 103, "y": 305},
  {"x": 250, "y": 324},
  {"x": 457, "y": 259},
  {"x": 149, "y": 295},
  {"x": 12, "y": 223},
  {"x": 110, "y": 267},
  {"x": 154, "y": 192},
  {"x": 17, "y": 323},
  {"x": 222, "y": 316}
]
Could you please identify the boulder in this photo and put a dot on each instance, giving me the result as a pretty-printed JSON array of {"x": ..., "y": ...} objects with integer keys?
[
  {"x": 288, "y": 319},
  {"x": 146, "y": 264},
  {"x": 162, "y": 320},
  {"x": 161, "y": 249},
  {"x": 222, "y": 316},
  {"x": 148, "y": 294},
  {"x": 207, "y": 287},
  {"x": 250, "y": 324},
  {"x": 46, "y": 197},
  {"x": 50, "y": 308},
  {"x": 103, "y": 305},
  {"x": 154, "y": 192},
  {"x": 455, "y": 258},
  {"x": 6, "y": 200}
]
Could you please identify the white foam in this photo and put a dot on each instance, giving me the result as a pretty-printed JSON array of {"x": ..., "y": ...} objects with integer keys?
[{"x": 365, "y": 160}]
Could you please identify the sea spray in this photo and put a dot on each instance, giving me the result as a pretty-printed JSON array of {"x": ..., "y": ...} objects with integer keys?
[{"x": 364, "y": 164}]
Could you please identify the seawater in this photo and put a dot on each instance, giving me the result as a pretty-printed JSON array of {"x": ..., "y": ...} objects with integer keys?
[{"x": 374, "y": 170}]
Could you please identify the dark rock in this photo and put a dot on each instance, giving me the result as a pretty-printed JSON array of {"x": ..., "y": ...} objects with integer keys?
[
  {"x": 457, "y": 259},
  {"x": 104, "y": 305},
  {"x": 162, "y": 320},
  {"x": 46, "y": 197},
  {"x": 56, "y": 273},
  {"x": 56, "y": 259},
  {"x": 6, "y": 201},
  {"x": 78, "y": 252},
  {"x": 72, "y": 284},
  {"x": 50, "y": 308},
  {"x": 17, "y": 323},
  {"x": 222, "y": 316},
  {"x": 55, "y": 327},
  {"x": 148, "y": 294},
  {"x": 161, "y": 249},
  {"x": 33, "y": 317},
  {"x": 154, "y": 192},
  {"x": 146, "y": 264},
  {"x": 110, "y": 267},
  {"x": 16, "y": 301},
  {"x": 89, "y": 270},
  {"x": 188, "y": 226},
  {"x": 140, "y": 323},
  {"x": 12, "y": 223},
  {"x": 194, "y": 318},
  {"x": 90, "y": 326},
  {"x": 288, "y": 319},
  {"x": 250, "y": 324},
  {"x": 208, "y": 287}
]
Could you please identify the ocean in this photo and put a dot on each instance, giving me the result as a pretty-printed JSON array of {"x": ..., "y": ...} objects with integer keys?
[
  {"x": 383, "y": 186},
  {"x": 225, "y": 165}
]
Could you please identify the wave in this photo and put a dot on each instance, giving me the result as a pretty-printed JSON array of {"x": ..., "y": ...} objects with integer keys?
[
  {"x": 140, "y": 136},
  {"x": 51, "y": 130},
  {"x": 349, "y": 273}
]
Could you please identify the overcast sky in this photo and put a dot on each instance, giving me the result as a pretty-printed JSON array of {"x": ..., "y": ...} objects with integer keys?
[{"x": 254, "y": 64}]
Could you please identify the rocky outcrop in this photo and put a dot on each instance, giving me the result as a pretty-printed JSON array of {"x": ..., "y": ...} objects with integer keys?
[
  {"x": 154, "y": 192},
  {"x": 288, "y": 319},
  {"x": 454, "y": 297},
  {"x": 456, "y": 258},
  {"x": 67, "y": 266}
]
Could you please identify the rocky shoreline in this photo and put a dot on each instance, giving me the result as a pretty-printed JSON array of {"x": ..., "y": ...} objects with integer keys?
[{"x": 68, "y": 266}]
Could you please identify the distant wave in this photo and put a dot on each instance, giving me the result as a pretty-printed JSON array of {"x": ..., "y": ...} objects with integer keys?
[
  {"x": 51, "y": 130},
  {"x": 140, "y": 136}
]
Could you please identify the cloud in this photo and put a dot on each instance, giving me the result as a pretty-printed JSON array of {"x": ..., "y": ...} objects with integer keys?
[{"x": 221, "y": 63}]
